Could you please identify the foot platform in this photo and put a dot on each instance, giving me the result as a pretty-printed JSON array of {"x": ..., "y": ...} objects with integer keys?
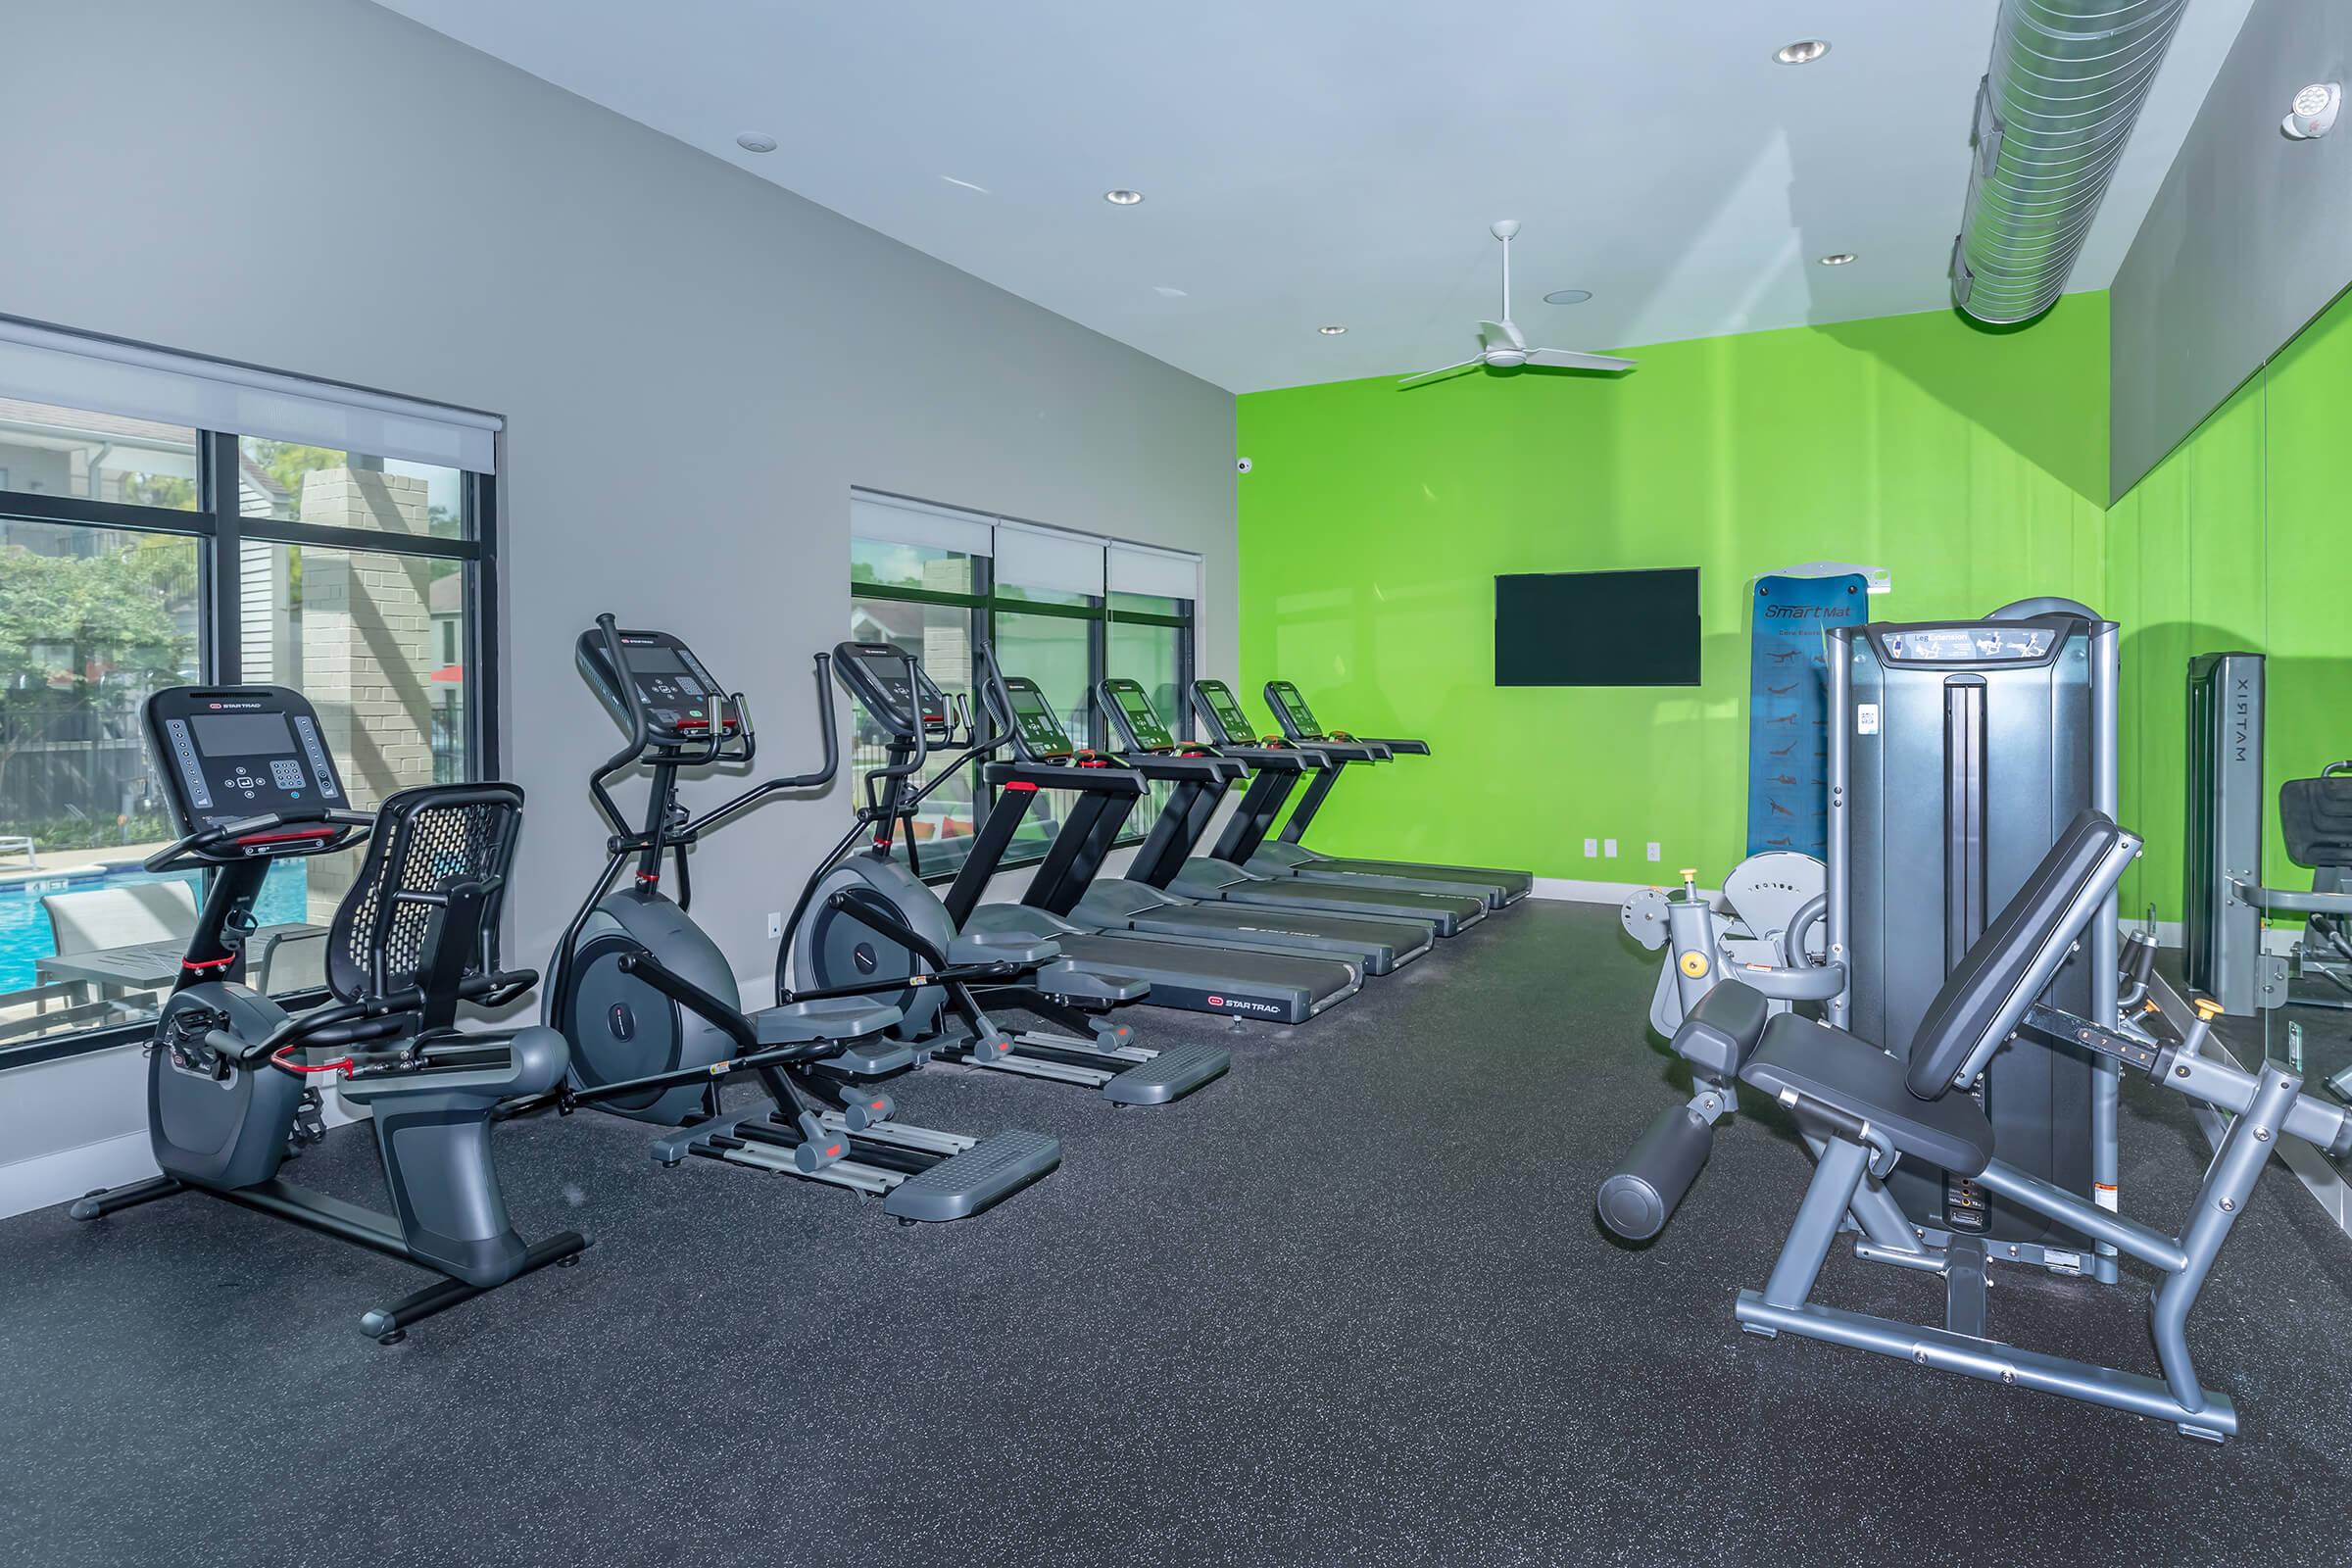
[
  {"x": 983, "y": 1175},
  {"x": 1172, "y": 1074}
]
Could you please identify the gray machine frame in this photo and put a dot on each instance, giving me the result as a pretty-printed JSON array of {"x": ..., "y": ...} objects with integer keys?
[
  {"x": 2101, "y": 956},
  {"x": 1859, "y": 1128},
  {"x": 2224, "y": 904}
]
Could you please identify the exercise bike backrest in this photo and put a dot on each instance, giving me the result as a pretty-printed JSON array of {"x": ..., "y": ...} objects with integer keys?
[{"x": 419, "y": 930}]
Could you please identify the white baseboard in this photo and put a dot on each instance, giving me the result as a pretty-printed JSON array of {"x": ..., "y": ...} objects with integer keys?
[
  {"x": 46, "y": 1180},
  {"x": 1576, "y": 890}
]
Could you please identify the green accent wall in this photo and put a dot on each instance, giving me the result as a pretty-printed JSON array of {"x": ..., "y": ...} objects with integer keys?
[
  {"x": 1373, "y": 522},
  {"x": 2240, "y": 539}
]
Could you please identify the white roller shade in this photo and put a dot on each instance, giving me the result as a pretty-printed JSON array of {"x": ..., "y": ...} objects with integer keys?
[
  {"x": 1168, "y": 573},
  {"x": 1043, "y": 558},
  {"x": 41, "y": 364},
  {"x": 911, "y": 522}
]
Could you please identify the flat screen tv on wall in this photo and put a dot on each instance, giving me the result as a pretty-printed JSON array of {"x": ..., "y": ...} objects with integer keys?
[{"x": 1597, "y": 629}]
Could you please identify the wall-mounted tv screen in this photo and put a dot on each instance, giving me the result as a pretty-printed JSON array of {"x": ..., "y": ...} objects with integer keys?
[{"x": 1597, "y": 629}]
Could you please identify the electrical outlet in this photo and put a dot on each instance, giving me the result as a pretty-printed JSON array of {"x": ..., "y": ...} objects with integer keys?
[
  {"x": 1591, "y": 849},
  {"x": 1653, "y": 848},
  {"x": 775, "y": 925},
  {"x": 1608, "y": 849}
]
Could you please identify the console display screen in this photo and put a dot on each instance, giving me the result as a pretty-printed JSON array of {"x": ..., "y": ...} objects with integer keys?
[
  {"x": 1148, "y": 730},
  {"x": 1285, "y": 696},
  {"x": 242, "y": 734},
  {"x": 1228, "y": 712},
  {"x": 1038, "y": 725},
  {"x": 654, "y": 659}
]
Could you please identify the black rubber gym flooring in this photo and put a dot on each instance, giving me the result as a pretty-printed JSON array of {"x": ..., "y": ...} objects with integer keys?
[{"x": 1349, "y": 1307}]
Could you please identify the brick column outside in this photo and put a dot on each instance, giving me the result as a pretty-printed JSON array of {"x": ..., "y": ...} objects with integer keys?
[{"x": 367, "y": 648}]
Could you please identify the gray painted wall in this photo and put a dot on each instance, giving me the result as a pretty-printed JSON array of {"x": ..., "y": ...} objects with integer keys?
[
  {"x": 2249, "y": 238},
  {"x": 696, "y": 367}
]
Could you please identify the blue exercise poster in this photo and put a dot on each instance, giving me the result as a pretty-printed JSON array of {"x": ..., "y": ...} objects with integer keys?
[{"x": 1788, "y": 707}]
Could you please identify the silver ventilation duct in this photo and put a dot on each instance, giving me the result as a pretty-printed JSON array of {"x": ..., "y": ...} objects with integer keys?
[{"x": 2055, "y": 109}]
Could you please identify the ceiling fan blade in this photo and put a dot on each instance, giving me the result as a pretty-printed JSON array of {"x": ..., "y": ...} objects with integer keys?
[
  {"x": 1569, "y": 359},
  {"x": 1426, "y": 377},
  {"x": 1502, "y": 334}
]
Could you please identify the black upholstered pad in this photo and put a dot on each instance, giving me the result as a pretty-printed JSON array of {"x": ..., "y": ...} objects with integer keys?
[
  {"x": 1722, "y": 1031},
  {"x": 1850, "y": 1074},
  {"x": 1975, "y": 993},
  {"x": 2315, "y": 818}
]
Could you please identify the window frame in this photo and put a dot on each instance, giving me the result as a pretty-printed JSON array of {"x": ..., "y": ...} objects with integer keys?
[
  {"x": 220, "y": 530},
  {"x": 985, "y": 604}
]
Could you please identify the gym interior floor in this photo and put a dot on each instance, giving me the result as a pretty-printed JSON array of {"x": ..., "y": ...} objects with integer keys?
[{"x": 1349, "y": 1307}]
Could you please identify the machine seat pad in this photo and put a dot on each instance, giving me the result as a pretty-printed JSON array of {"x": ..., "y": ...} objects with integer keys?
[
  {"x": 828, "y": 1018},
  {"x": 1976, "y": 993},
  {"x": 1723, "y": 1030},
  {"x": 2314, "y": 818},
  {"x": 1849, "y": 1073},
  {"x": 1000, "y": 948}
]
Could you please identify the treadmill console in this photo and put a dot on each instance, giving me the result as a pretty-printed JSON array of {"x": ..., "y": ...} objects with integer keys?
[
  {"x": 1225, "y": 715},
  {"x": 1037, "y": 733},
  {"x": 681, "y": 701},
  {"x": 229, "y": 753},
  {"x": 1298, "y": 719},
  {"x": 1134, "y": 714},
  {"x": 890, "y": 684}
]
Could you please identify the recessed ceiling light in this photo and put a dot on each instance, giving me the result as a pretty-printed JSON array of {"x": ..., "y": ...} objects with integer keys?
[
  {"x": 1568, "y": 296},
  {"x": 1330, "y": 331},
  {"x": 1804, "y": 52},
  {"x": 1838, "y": 258},
  {"x": 1122, "y": 198},
  {"x": 753, "y": 142}
]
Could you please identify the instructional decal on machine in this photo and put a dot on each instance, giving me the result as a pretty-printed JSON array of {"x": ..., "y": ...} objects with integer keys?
[{"x": 1787, "y": 706}]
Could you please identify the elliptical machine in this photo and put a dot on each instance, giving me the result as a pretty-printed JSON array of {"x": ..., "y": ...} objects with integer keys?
[
  {"x": 865, "y": 914},
  {"x": 650, "y": 1005},
  {"x": 251, "y": 783}
]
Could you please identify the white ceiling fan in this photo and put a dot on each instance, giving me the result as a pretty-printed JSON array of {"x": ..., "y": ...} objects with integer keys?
[{"x": 1506, "y": 346}]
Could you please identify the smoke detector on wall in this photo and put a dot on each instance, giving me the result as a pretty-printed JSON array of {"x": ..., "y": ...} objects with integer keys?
[{"x": 2314, "y": 111}]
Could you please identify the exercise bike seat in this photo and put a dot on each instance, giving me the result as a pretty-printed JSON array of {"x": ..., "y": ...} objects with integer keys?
[{"x": 1847, "y": 1073}]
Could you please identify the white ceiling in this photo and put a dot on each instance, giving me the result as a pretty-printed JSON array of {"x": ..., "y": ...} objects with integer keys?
[{"x": 1339, "y": 161}]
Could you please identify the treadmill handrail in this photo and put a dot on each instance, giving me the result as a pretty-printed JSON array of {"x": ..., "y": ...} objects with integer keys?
[{"x": 1067, "y": 776}]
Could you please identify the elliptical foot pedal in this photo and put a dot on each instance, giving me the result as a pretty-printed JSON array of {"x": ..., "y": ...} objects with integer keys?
[
  {"x": 863, "y": 1108},
  {"x": 1171, "y": 1075},
  {"x": 987, "y": 1173},
  {"x": 818, "y": 1148}
]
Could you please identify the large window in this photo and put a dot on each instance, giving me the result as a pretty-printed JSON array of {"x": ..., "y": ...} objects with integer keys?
[
  {"x": 1064, "y": 608},
  {"x": 138, "y": 553}
]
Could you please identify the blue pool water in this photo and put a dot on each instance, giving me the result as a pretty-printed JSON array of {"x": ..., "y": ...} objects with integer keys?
[{"x": 24, "y": 933}]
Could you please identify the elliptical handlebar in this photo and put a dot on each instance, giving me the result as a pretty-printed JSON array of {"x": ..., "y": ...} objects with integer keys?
[{"x": 695, "y": 826}]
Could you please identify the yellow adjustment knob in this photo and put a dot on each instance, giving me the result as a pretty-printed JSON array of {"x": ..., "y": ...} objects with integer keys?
[
  {"x": 1688, "y": 874},
  {"x": 2208, "y": 1009},
  {"x": 1694, "y": 964}
]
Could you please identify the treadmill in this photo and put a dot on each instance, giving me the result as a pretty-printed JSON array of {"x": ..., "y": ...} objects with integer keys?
[
  {"x": 1168, "y": 860},
  {"x": 1233, "y": 980},
  {"x": 1245, "y": 842}
]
